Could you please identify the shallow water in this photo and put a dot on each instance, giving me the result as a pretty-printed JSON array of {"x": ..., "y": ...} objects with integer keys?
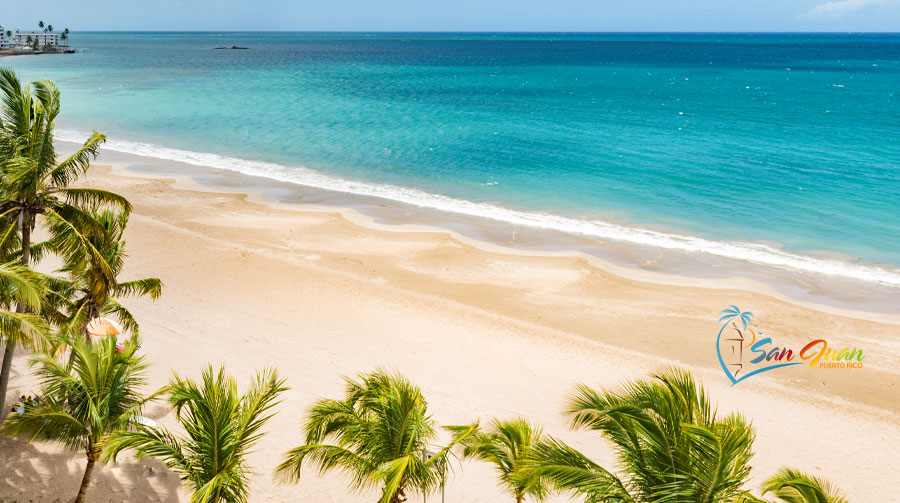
[{"x": 780, "y": 150}]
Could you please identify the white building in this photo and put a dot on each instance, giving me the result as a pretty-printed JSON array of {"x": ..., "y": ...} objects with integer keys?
[
  {"x": 4, "y": 42},
  {"x": 20, "y": 39}
]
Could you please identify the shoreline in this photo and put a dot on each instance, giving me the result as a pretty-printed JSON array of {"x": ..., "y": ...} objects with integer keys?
[
  {"x": 356, "y": 217},
  {"x": 251, "y": 282},
  {"x": 836, "y": 295}
]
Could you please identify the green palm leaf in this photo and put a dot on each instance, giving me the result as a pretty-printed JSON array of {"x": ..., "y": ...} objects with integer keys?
[
  {"x": 84, "y": 399},
  {"x": 32, "y": 182},
  {"x": 151, "y": 287},
  {"x": 378, "y": 435},
  {"x": 221, "y": 427},
  {"x": 94, "y": 198},
  {"x": 791, "y": 486},
  {"x": 509, "y": 446},
  {"x": 78, "y": 162}
]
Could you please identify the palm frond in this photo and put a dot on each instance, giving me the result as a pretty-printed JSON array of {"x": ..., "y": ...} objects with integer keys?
[
  {"x": 220, "y": 427},
  {"x": 792, "y": 486},
  {"x": 76, "y": 164},
  {"x": 569, "y": 470},
  {"x": 151, "y": 287},
  {"x": 71, "y": 229},
  {"x": 508, "y": 445},
  {"x": 29, "y": 330},
  {"x": 85, "y": 398},
  {"x": 379, "y": 433},
  {"x": 325, "y": 457},
  {"x": 27, "y": 285},
  {"x": 94, "y": 198},
  {"x": 668, "y": 439}
]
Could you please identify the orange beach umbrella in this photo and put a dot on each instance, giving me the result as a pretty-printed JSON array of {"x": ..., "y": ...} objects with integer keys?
[{"x": 102, "y": 327}]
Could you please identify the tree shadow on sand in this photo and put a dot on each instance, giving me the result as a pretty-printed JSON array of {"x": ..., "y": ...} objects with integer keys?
[{"x": 29, "y": 475}]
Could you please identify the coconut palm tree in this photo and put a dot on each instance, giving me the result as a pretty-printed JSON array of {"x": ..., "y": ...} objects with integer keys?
[
  {"x": 95, "y": 292},
  {"x": 670, "y": 445},
  {"x": 64, "y": 36},
  {"x": 379, "y": 435},
  {"x": 791, "y": 486},
  {"x": 84, "y": 399},
  {"x": 41, "y": 25},
  {"x": 45, "y": 295},
  {"x": 34, "y": 183},
  {"x": 508, "y": 446},
  {"x": 20, "y": 285},
  {"x": 221, "y": 427},
  {"x": 49, "y": 28}
]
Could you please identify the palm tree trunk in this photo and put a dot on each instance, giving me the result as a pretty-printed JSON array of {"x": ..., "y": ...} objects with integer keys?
[
  {"x": 86, "y": 480},
  {"x": 25, "y": 227},
  {"x": 4, "y": 375},
  {"x": 398, "y": 497}
]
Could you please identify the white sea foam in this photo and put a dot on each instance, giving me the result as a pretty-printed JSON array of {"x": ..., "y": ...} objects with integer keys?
[{"x": 749, "y": 252}]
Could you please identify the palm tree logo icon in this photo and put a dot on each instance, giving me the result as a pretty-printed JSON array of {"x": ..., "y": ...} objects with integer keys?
[{"x": 730, "y": 343}]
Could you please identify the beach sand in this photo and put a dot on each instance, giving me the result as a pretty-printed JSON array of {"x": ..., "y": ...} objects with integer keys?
[{"x": 484, "y": 331}]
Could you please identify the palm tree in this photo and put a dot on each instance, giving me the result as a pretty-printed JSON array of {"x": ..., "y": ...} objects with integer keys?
[
  {"x": 669, "y": 441},
  {"x": 49, "y": 28},
  {"x": 64, "y": 36},
  {"x": 670, "y": 445},
  {"x": 20, "y": 285},
  {"x": 94, "y": 291},
  {"x": 41, "y": 25},
  {"x": 508, "y": 446},
  {"x": 84, "y": 399},
  {"x": 791, "y": 486},
  {"x": 378, "y": 435},
  {"x": 221, "y": 427},
  {"x": 28, "y": 40},
  {"x": 33, "y": 183}
]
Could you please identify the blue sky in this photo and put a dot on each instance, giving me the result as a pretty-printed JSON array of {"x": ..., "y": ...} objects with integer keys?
[{"x": 458, "y": 15}]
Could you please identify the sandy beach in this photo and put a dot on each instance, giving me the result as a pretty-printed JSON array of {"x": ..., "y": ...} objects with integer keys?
[{"x": 485, "y": 331}]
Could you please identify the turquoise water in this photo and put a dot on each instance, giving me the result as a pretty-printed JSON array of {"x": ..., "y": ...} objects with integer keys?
[{"x": 777, "y": 149}]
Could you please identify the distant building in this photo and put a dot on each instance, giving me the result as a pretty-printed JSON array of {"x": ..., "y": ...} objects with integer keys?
[
  {"x": 20, "y": 39},
  {"x": 4, "y": 42}
]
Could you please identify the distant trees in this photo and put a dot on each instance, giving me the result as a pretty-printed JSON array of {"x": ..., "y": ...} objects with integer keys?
[{"x": 35, "y": 42}]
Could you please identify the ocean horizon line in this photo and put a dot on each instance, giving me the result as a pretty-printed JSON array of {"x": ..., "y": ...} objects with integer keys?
[{"x": 510, "y": 32}]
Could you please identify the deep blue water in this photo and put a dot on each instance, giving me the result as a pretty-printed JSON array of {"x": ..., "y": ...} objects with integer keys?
[{"x": 787, "y": 139}]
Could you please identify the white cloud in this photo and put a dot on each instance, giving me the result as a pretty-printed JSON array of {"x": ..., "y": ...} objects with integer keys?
[{"x": 837, "y": 9}]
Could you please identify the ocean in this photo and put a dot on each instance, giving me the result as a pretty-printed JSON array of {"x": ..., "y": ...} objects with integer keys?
[{"x": 780, "y": 150}]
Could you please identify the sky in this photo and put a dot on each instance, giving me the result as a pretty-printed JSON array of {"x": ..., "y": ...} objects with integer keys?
[{"x": 456, "y": 15}]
